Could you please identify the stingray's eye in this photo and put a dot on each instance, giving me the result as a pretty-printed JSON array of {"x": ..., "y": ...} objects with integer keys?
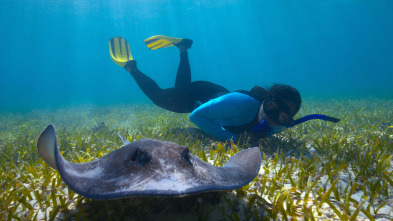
[
  {"x": 186, "y": 155},
  {"x": 141, "y": 157}
]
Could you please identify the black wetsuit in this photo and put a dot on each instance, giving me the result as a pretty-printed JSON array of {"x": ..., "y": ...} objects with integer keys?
[{"x": 185, "y": 96}]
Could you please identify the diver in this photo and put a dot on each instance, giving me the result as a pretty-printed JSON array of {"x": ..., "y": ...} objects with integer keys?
[{"x": 238, "y": 115}]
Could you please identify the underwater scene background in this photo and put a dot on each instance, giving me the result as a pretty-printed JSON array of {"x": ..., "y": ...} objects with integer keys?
[
  {"x": 55, "y": 52},
  {"x": 56, "y": 68}
]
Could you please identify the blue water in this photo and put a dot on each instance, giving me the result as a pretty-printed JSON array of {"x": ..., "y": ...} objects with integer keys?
[{"x": 55, "y": 52}]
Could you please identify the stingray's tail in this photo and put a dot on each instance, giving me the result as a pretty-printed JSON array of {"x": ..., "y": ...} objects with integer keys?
[{"x": 125, "y": 141}]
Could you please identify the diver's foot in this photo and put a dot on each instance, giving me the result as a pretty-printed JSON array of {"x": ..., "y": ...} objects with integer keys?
[
  {"x": 184, "y": 45},
  {"x": 130, "y": 66}
]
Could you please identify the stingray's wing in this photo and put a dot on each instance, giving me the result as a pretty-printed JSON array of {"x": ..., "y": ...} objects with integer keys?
[
  {"x": 240, "y": 169},
  {"x": 46, "y": 145}
]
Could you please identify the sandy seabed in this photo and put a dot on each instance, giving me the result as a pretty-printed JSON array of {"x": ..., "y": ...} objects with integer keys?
[{"x": 317, "y": 170}]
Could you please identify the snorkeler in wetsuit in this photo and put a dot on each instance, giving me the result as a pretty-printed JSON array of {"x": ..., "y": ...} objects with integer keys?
[{"x": 223, "y": 114}]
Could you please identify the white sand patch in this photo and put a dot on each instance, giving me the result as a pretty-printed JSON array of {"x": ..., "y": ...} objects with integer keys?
[{"x": 93, "y": 173}]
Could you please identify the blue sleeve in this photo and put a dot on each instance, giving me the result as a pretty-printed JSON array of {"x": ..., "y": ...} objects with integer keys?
[{"x": 228, "y": 109}]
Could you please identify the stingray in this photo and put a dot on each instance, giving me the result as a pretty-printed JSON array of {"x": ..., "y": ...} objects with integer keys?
[{"x": 148, "y": 167}]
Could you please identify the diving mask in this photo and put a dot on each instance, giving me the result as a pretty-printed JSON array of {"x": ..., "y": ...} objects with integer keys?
[{"x": 277, "y": 111}]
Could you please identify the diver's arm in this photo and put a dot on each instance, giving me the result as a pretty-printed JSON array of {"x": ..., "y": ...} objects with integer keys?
[
  {"x": 207, "y": 116},
  {"x": 229, "y": 109}
]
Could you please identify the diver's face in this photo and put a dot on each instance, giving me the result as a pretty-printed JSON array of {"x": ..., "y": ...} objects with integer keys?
[{"x": 275, "y": 114}]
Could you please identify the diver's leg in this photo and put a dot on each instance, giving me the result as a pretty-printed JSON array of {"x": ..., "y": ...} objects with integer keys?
[
  {"x": 202, "y": 91},
  {"x": 186, "y": 99},
  {"x": 172, "y": 99},
  {"x": 183, "y": 77},
  {"x": 146, "y": 84}
]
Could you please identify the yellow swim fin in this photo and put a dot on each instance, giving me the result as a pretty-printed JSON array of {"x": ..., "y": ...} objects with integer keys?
[
  {"x": 119, "y": 50},
  {"x": 161, "y": 41}
]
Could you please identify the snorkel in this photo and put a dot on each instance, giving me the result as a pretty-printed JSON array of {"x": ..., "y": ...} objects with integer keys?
[{"x": 267, "y": 129}]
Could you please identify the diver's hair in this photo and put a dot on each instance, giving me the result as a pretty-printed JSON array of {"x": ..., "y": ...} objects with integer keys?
[
  {"x": 260, "y": 92},
  {"x": 287, "y": 93}
]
